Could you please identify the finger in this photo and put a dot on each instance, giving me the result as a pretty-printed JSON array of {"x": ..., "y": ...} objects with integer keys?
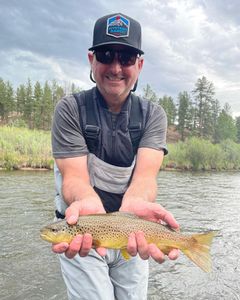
[
  {"x": 74, "y": 246},
  {"x": 60, "y": 248},
  {"x": 101, "y": 251},
  {"x": 168, "y": 218},
  {"x": 173, "y": 254},
  {"x": 142, "y": 245},
  {"x": 86, "y": 244},
  {"x": 132, "y": 245},
  {"x": 156, "y": 253},
  {"x": 72, "y": 213}
]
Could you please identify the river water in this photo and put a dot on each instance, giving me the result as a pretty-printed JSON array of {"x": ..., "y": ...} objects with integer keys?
[{"x": 199, "y": 201}]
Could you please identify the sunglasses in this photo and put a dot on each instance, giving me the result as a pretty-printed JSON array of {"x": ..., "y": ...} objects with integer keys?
[{"x": 126, "y": 58}]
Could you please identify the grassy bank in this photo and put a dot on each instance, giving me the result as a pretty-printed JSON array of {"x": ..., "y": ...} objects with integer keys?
[
  {"x": 24, "y": 148},
  {"x": 198, "y": 154}
]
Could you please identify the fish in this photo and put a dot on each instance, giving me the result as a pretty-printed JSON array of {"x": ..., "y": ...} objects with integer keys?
[{"x": 112, "y": 230}]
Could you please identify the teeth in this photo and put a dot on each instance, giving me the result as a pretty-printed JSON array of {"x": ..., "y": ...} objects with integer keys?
[{"x": 114, "y": 78}]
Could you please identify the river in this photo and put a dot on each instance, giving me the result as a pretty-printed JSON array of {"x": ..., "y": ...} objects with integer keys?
[{"x": 200, "y": 201}]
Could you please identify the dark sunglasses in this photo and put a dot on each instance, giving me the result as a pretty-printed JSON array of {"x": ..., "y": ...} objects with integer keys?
[{"x": 126, "y": 58}]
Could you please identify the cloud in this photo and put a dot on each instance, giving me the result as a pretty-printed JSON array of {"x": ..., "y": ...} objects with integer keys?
[
  {"x": 41, "y": 68},
  {"x": 187, "y": 43},
  {"x": 182, "y": 39}
]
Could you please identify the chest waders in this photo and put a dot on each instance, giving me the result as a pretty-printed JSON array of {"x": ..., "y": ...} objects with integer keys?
[{"x": 110, "y": 180}]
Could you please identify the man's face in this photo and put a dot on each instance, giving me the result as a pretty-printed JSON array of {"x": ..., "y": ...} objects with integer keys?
[{"x": 114, "y": 76}]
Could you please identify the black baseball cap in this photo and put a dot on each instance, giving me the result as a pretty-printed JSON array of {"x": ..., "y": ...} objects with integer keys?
[{"x": 117, "y": 29}]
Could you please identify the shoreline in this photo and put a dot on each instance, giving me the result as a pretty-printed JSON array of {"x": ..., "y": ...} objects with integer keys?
[
  {"x": 26, "y": 169},
  {"x": 168, "y": 169}
]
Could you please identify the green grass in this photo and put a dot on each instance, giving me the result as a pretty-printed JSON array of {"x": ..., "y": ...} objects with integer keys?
[
  {"x": 199, "y": 154},
  {"x": 24, "y": 148}
]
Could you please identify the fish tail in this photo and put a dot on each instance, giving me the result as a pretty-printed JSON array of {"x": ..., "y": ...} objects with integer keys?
[{"x": 199, "y": 250}]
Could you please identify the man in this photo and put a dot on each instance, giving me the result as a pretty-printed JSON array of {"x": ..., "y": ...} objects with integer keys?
[{"x": 105, "y": 162}]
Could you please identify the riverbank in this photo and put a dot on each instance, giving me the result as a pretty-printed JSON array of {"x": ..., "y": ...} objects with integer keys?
[
  {"x": 21, "y": 148},
  {"x": 199, "y": 154}
]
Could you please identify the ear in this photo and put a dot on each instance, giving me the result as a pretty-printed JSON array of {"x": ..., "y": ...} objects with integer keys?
[
  {"x": 90, "y": 57},
  {"x": 140, "y": 63}
]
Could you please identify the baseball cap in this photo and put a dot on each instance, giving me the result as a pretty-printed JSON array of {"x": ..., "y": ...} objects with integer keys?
[{"x": 117, "y": 29}]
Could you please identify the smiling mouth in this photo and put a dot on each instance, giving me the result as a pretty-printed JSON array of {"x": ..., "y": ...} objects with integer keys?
[{"x": 118, "y": 79}]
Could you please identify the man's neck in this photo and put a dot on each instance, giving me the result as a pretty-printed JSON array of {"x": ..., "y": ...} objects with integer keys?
[{"x": 114, "y": 104}]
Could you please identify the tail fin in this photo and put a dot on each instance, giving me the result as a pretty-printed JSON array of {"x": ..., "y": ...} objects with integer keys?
[{"x": 199, "y": 250}]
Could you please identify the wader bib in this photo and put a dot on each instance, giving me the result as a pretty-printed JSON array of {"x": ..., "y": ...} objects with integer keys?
[{"x": 112, "y": 141}]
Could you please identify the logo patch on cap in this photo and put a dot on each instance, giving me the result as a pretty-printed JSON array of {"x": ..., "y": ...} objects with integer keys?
[{"x": 118, "y": 26}]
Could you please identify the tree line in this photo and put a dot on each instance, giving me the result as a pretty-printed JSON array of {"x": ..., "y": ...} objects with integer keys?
[
  {"x": 195, "y": 113},
  {"x": 31, "y": 105},
  {"x": 199, "y": 113}
]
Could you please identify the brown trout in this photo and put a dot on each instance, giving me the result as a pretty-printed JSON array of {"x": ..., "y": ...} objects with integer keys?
[{"x": 112, "y": 230}]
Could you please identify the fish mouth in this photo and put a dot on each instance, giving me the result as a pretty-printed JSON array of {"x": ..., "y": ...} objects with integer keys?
[
  {"x": 46, "y": 236},
  {"x": 55, "y": 237}
]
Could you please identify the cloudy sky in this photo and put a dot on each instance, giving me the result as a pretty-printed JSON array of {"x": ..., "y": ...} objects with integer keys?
[{"x": 183, "y": 40}]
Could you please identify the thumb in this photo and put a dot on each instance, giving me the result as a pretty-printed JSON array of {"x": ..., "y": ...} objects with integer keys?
[{"x": 72, "y": 213}]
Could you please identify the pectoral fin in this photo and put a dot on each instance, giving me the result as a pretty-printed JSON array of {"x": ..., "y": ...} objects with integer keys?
[
  {"x": 125, "y": 254},
  {"x": 165, "y": 249}
]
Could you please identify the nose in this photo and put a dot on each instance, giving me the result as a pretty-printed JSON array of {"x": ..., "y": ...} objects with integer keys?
[{"x": 115, "y": 65}]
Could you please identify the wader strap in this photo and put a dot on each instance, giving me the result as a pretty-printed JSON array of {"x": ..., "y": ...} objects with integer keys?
[
  {"x": 135, "y": 126},
  {"x": 91, "y": 129}
]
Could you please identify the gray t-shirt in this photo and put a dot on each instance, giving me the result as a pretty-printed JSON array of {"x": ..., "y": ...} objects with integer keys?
[{"x": 67, "y": 136}]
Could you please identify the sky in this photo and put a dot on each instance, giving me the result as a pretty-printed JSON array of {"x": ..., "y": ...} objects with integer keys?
[{"x": 182, "y": 40}]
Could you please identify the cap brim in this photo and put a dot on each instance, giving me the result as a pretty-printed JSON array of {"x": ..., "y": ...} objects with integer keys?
[{"x": 115, "y": 43}]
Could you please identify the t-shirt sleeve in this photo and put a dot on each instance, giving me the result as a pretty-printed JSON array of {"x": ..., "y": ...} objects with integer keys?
[
  {"x": 155, "y": 132},
  {"x": 67, "y": 136}
]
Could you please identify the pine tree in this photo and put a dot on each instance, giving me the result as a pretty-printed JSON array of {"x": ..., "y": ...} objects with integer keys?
[
  {"x": 2, "y": 100},
  {"x": 184, "y": 113},
  {"x": 74, "y": 89},
  {"x": 10, "y": 99},
  {"x": 238, "y": 129},
  {"x": 38, "y": 106},
  {"x": 28, "y": 107},
  {"x": 216, "y": 109},
  {"x": 57, "y": 92},
  {"x": 20, "y": 99},
  {"x": 47, "y": 107},
  {"x": 226, "y": 128},
  {"x": 7, "y": 104},
  {"x": 149, "y": 94},
  {"x": 170, "y": 108},
  {"x": 203, "y": 95}
]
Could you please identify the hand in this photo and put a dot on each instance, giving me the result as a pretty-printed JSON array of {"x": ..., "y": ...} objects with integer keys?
[
  {"x": 150, "y": 211},
  {"x": 137, "y": 242},
  {"x": 81, "y": 244}
]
